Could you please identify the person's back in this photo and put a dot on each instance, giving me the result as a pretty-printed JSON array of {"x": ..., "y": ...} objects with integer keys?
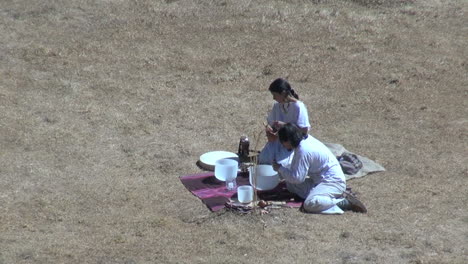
[
  {"x": 324, "y": 187},
  {"x": 323, "y": 164}
]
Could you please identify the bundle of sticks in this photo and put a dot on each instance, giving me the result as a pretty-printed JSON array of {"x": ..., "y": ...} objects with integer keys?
[{"x": 254, "y": 163}]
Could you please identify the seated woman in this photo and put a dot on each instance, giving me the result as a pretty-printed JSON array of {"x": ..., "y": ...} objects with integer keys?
[
  {"x": 287, "y": 109},
  {"x": 315, "y": 174}
]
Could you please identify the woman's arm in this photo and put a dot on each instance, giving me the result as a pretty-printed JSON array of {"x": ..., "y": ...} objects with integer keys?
[
  {"x": 279, "y": 124},
  {"x": 272, "y": 134},
  {"x": 303, "y": 118},
  {"x": 305, "y": 130}
]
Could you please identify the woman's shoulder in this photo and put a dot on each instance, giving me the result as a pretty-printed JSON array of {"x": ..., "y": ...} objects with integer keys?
[
  {"x": 275, "y": 105},
  {"x": 299, "y": 104}
]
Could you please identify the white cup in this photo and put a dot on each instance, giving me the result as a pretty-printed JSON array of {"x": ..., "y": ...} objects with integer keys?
[{"x": 245, "y": 193}]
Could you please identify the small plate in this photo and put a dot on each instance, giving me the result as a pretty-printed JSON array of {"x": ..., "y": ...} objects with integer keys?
[{"x": 207, "y": 160}]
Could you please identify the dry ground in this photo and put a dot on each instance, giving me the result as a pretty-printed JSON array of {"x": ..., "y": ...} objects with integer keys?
[{"x": 105, "y": 103}]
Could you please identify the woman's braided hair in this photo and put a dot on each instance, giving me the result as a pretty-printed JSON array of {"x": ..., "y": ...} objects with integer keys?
[{"x": 280, "y": 86}]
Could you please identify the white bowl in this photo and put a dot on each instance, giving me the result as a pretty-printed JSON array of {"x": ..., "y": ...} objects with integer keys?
[
  {"x": 226, "y": 169},
  {"x": 208, "y": 160},
  {"x": 266, "y": 178}
]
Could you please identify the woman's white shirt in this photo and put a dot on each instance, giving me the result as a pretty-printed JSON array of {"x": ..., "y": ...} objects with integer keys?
[{"x": 293, "y": 112}]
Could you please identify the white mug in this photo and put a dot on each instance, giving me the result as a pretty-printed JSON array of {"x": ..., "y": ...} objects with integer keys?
[{"x": 245, "y": 193}]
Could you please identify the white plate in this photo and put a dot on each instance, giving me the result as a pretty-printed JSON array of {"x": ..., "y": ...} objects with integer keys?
[{"x": 208, "y": 159}]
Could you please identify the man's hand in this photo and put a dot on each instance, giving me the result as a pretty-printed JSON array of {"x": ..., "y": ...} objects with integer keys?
[{"x": 276, "y": 165}]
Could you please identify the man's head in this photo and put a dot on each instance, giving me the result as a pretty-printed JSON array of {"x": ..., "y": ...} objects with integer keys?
[{"x": 290, "y": 136}]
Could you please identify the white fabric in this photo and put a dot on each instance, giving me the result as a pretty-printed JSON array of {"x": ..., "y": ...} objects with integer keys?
[
  {"x": 275, "y": 151},
  {"x": 312, "y": 158},
  {"x": 324, "y": 197},
  {"x": 296, "y": 113},
  {"x": 316, "y": 176}
]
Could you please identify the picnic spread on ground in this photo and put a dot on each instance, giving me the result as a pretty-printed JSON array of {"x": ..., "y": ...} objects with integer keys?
[
  {"x": 294, "y": 169},
  {"x": 211, "y": 191}
]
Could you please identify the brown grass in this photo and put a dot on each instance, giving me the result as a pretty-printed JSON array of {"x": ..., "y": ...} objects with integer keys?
[{"x": 104, "y": 104}]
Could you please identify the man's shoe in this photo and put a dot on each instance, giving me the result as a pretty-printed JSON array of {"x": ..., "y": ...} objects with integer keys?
[{"x": 352, "y": 203}]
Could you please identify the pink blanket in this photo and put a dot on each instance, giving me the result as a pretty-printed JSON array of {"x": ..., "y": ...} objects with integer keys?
[{"x": 214, "y": 195}]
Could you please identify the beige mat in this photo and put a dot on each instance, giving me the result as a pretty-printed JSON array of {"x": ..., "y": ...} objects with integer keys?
[{"x": 368, "y": 165}]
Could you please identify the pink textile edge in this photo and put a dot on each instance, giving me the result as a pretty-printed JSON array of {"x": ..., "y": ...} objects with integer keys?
[
  {"x": 197, "y": 176},
  {"x": 219, "y": 192}
]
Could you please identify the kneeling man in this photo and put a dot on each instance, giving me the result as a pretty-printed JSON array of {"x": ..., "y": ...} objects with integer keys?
[{"x": 315, "y": 174}]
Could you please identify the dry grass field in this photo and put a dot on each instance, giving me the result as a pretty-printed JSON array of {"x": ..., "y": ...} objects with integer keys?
[{"x": 104, "y": 104}]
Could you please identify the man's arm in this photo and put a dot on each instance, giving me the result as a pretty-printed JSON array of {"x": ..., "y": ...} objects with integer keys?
[{"x": 299, "y": 168}]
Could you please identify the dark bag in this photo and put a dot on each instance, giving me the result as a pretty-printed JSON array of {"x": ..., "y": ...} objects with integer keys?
[{"x": 350, "y": 163}]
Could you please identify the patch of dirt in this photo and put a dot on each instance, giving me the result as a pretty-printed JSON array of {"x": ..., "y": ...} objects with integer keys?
[{"x": 105, "y": 104}]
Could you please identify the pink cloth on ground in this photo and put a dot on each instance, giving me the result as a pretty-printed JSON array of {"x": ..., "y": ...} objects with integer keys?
[{"x": 212, "y": 192}]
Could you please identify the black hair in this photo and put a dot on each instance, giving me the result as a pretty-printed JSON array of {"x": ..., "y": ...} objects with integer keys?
[
  {"x": 280, "y": 86},
  {"x": 290, "y": 133}
]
